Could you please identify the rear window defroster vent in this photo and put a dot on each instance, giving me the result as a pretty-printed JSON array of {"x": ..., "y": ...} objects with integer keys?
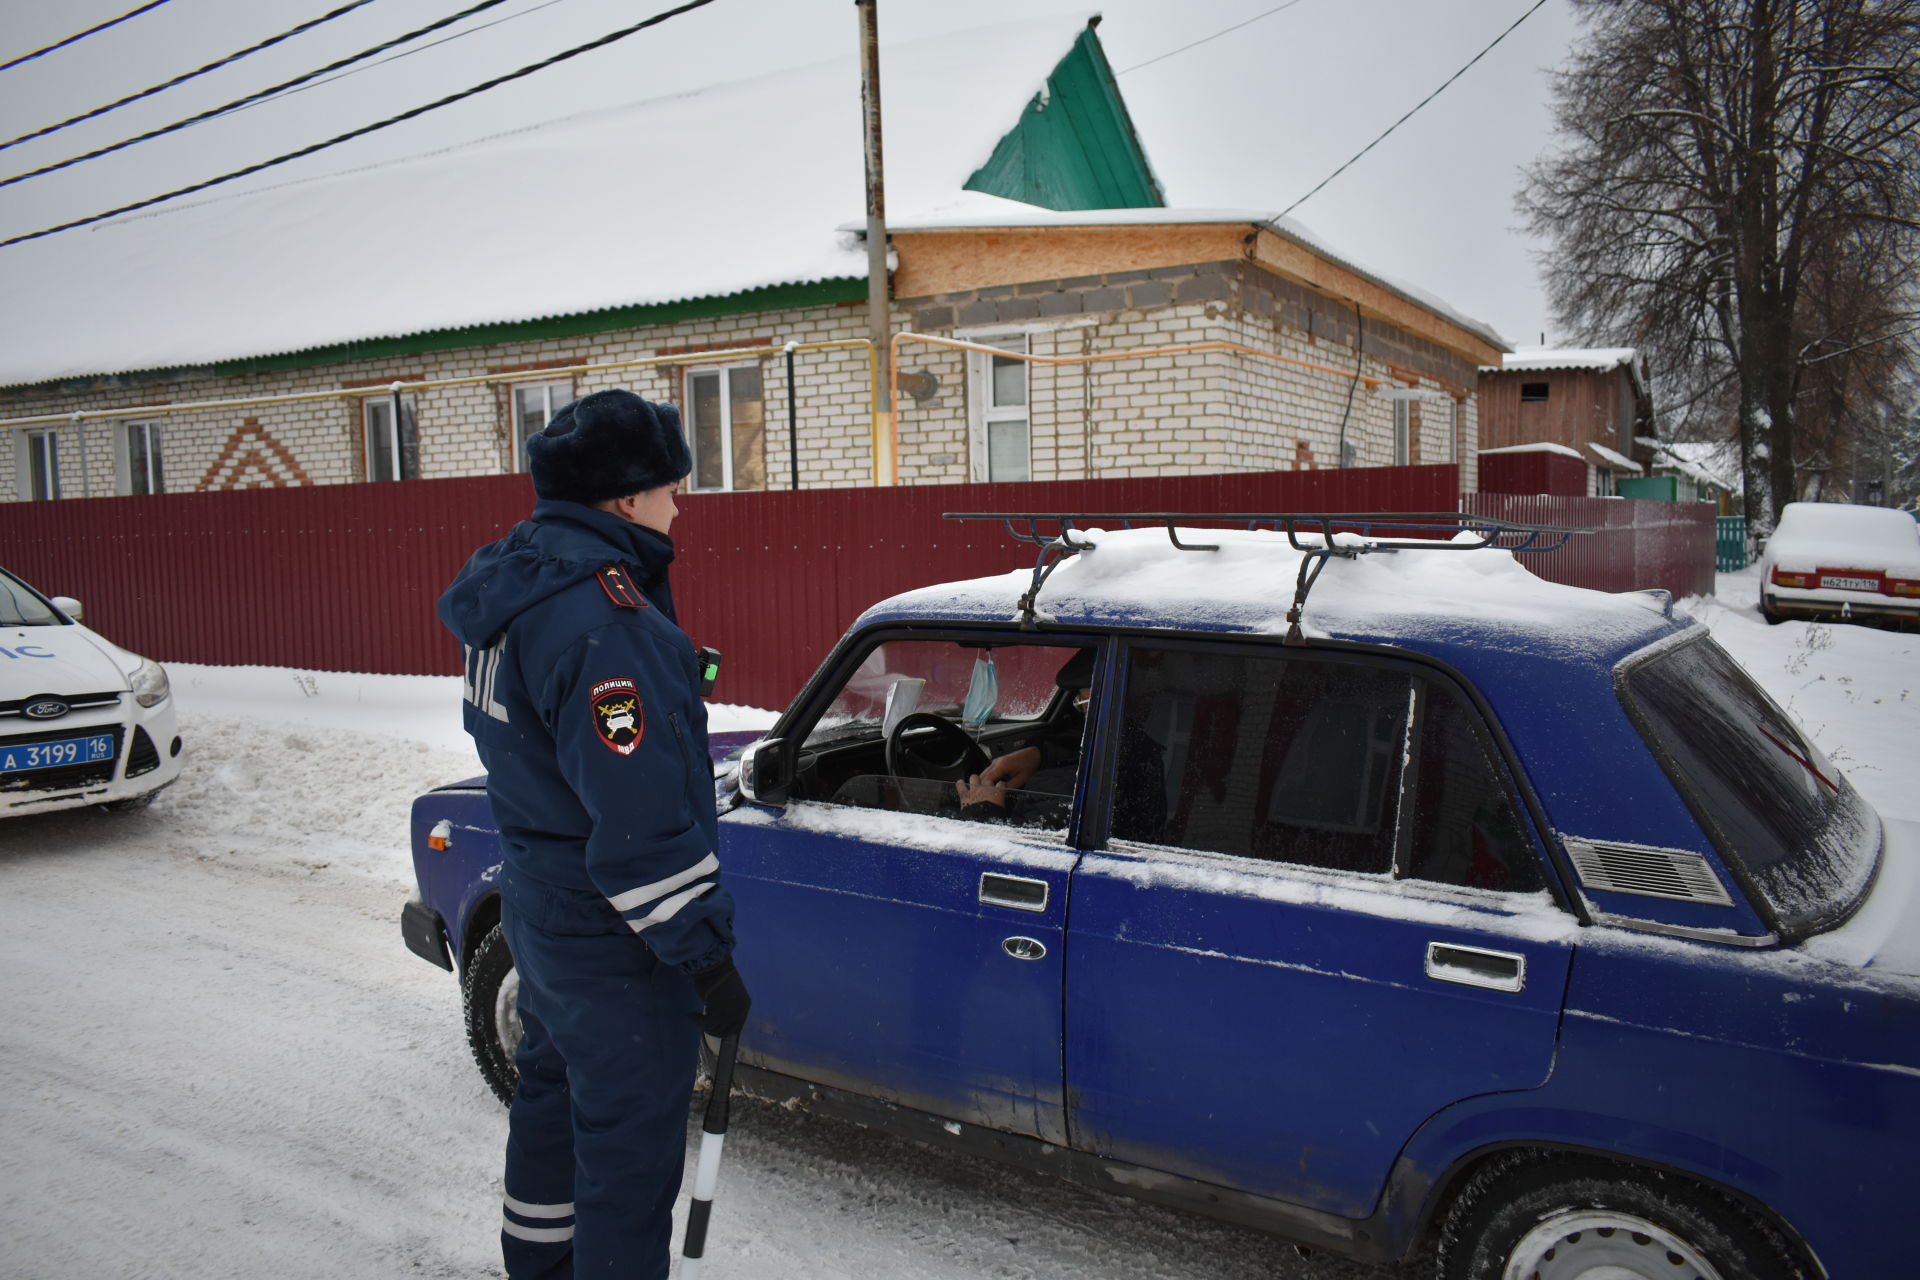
[
  {"x": 1650, "y": 872},
  {"x": 142, "y": 756}
]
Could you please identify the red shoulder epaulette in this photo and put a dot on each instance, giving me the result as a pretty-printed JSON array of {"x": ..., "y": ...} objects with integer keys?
[{"x": 617, "y": 581}]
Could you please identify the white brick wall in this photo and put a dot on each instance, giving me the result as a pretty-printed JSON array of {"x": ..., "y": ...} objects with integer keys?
[{"x": 1190, "y": 413}]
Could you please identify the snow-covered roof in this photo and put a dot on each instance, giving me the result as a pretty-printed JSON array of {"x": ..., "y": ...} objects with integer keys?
[
  {"x": 988, "y": 213},
  {"x": 1618, "y": 461},
  {"x": 1595, "y": 359},
  {"x": 1540, "y": 446},
  {"x": 1601, "y": 358},
  {"x": 1713, "y": 463},
  {"x": 476, "y": 232}
]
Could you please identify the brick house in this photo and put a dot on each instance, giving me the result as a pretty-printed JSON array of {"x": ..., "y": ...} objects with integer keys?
[
  {"x": 1592, "y": 405},
  {"x": 302, "y": 334}
]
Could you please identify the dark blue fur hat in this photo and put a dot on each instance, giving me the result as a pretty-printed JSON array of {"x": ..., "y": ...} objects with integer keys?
[{"x": 607, "y": 445}]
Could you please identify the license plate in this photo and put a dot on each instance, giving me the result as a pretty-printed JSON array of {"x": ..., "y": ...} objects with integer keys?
[
  {"x": 25, "y": 756},
  {"x": 1850, "y": 584}
]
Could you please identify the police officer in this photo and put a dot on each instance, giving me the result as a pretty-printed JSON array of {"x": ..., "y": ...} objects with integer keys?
[{"x": 583, "y": 697}]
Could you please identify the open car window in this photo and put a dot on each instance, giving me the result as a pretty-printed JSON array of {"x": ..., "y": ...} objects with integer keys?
[{"x": 917, "y": 716}]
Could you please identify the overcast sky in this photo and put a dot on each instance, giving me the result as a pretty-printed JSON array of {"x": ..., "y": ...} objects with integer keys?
[{"x": 1253, "y": 119}]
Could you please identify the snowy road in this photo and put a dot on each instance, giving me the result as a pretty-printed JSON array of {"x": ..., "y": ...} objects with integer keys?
[{"x": 219, "y": 1062}]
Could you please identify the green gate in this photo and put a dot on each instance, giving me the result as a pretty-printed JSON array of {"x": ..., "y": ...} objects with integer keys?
[{"x": 1730, "y": 544}]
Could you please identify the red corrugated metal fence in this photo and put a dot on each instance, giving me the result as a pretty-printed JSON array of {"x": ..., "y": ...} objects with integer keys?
[
  {"x": 1636, "y": 543},
  {"x": 344, "y": 577}
]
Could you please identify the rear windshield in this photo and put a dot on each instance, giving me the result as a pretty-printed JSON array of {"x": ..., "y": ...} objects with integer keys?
[
  {"x": 19, "y": 607},
  {"x": 1774, "y": 805}
]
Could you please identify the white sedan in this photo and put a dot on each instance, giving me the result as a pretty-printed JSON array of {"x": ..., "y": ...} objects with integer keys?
[
  {"x": 82, "y": 721},
  {"x": 1835, "y": 560}
]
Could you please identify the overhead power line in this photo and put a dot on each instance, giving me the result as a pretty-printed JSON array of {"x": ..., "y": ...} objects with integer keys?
[
  {"x": 182, "y": 79},
  {"x": 404, "y": 53},
  {"x": 252, "y": 97},
  {"x": 494, "y": 83},
  {"x": 1416, "y": 107},
  {"x": 93, "y": 30},
  {"x": 1215, "y": 36}
]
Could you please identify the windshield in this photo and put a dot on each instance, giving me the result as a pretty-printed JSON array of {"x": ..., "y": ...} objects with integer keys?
[
  {"x": 1774, "y": 804},
  {"x": 20, "y": 607},
  {"x": 936, "y": 675}
]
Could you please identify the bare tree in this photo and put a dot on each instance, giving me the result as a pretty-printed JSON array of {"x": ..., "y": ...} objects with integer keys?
[{"x": 1738, "y": 194}]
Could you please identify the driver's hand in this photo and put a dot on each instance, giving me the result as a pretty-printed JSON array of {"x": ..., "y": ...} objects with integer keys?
[
  {"x": 1015, "y": 769},
  {"x": 976, "y": 790}
]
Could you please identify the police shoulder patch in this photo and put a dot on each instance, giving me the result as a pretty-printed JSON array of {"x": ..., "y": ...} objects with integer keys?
[
  {"x": 618, "y": 717},
  {"x": 617, "y": 581}
]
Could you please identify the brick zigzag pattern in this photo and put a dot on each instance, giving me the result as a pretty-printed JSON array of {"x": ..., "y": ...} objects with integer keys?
[{"x": 234, "y": 469}]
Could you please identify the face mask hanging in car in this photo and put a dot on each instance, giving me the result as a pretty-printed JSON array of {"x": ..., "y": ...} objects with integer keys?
[{"x": 983, "y": 692}]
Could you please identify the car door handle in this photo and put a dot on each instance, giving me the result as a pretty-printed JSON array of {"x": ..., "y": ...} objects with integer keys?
[
  {"x": 1476, "y": 966},
  {"x": 1018, "y": 892}
]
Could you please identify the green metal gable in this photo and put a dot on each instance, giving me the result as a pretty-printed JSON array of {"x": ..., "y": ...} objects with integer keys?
[{"x": 1074, "y": 146}]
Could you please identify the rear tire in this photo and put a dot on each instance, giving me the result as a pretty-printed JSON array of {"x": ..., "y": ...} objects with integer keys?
[
  {"x": 491, "y": 993},
  {"x": 1766, "y": 611},
  {"x": 1544, "y": 1217}
]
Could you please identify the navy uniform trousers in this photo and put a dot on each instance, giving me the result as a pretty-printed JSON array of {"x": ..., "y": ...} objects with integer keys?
[{"x": 607, "y": 1055}]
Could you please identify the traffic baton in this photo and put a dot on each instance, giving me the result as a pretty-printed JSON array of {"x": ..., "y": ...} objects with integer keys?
[{"x": 713, "y": 1136}]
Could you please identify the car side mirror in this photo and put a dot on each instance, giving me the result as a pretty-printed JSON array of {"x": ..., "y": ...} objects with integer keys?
[
  {"x": 67, "y": 605},
  {"x": 766, "y": 772}
]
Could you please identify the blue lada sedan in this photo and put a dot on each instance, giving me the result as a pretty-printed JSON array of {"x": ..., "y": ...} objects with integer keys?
[{"x": 1379, "y": 895}]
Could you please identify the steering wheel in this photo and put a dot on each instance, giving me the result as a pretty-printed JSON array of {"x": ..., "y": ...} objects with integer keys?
[{"x": 945, "y": 754}]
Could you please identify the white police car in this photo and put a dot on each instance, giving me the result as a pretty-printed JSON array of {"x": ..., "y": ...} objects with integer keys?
[{"x": 82, "y": 721}]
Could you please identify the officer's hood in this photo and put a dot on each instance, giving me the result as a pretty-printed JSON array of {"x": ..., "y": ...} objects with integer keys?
[{"x": 564, "y": 543}]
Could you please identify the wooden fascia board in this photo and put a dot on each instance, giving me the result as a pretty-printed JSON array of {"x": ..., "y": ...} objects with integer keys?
[
  {"x": 1296, "y": 262},
  {"x": 958, "y": 259},
  {"x": 954, "y": 260}
]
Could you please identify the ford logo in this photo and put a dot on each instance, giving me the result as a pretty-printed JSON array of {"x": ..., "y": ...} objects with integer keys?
[{"x": 46, "y": 709}]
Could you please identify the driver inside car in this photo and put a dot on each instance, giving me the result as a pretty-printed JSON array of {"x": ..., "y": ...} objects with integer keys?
[{"x": 1053, "y": 759}]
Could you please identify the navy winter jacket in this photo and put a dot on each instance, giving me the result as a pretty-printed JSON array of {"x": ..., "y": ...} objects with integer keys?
[{"x": 583, "y": 696}]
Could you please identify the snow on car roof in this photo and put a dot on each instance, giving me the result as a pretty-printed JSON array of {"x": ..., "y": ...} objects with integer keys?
[
  {"x": 1837, "y": 535},
  {"x": 1441, "y": 598}
]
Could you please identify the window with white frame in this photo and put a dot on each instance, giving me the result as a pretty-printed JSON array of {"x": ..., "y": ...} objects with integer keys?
[
  {"x": 392, "y": 448},
  {"x": 999, "y": 425},
  {"x": 139, "y": 459},
  {"x": 726, "y": 428},
  {"x": 40, "y": 463},
  {"x": 1402, "y": 432},
  {"x": 534, "y": 404}
]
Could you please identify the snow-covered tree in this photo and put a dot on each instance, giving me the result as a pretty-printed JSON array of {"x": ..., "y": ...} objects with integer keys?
[{"x": 1737, "y": 193}]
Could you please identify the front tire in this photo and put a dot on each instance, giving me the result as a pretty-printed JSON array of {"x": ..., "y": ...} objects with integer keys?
[
  {"x": 1536, "y": 1217},
  {"x": 491, "y": 994}
]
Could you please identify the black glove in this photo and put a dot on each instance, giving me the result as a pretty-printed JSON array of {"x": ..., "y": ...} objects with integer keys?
[{"x": 726, "y": 999}]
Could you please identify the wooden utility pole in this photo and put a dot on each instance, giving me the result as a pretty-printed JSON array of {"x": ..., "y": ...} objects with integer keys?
[{"x": 879, "y": 300}]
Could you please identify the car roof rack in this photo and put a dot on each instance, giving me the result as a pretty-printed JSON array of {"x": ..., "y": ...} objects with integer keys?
[{"x": 1408, "y": 531}]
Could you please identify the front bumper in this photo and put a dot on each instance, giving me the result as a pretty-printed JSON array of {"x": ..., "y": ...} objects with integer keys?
[{"x": 148, "y": 758}]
